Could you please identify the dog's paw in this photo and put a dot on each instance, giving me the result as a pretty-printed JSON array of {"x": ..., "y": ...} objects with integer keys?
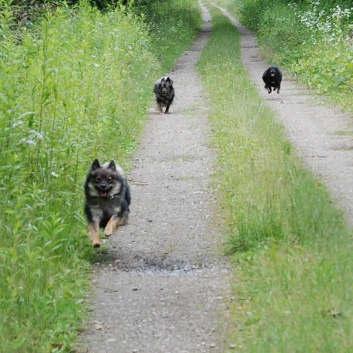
[
  {"x": 96, "y": 244},
  {"x": 108, "y": 231}
]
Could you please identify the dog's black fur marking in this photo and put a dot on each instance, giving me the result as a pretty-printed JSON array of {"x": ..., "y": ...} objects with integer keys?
[
  {"x": 164, "y": 91},
  {"x": 107, "y": 199},
  {"x": 272, "y": 78}
]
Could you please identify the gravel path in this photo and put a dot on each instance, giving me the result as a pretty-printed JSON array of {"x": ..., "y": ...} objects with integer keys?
[{"x": 164, "y": 285}]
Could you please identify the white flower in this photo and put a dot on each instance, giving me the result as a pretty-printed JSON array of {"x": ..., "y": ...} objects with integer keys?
[
  {"x": 29, "y": 142},
  {"x": 39, "y": 136},
  {"x": 54, "y": 175},
  {"x": 17, "y": 123}
]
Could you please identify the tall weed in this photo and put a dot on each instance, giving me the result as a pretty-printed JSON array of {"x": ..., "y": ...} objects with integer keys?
[{"x": 75, "y": 88}]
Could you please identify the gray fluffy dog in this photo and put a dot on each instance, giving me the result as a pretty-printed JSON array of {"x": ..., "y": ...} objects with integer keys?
[{"x": 164, "y": 91}]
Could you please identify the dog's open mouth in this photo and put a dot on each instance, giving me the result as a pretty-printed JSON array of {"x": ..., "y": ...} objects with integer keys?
[{"x": 103, "y": 193}]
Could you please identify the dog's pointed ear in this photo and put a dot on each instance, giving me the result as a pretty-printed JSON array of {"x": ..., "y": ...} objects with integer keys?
[
  {"x": 112, "y": 166},
  {"x": 169, "y": 80},
  {"x": 95, "y": 165}
]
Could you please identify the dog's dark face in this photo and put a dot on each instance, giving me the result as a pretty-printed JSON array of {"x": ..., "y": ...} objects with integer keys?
[
  {"x": 273, "y": 72},
  {"x": 103, "y": 180},
  {"x": 165, "y": 86}
]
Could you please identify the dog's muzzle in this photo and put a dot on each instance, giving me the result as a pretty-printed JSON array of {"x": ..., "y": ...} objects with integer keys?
[{"x": 103, "y": 189}]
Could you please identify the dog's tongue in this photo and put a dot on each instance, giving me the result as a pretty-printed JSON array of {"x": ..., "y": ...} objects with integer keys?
[{"x": 103, "y": 193}]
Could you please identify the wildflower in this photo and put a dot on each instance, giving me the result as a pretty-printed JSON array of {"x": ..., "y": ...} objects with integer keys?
[
  {"x": 29, "y": 142},
  {"x": 37, "y": 134},
  {"x": 54, "y": 175},
  {"x": 17, "y": 123}
]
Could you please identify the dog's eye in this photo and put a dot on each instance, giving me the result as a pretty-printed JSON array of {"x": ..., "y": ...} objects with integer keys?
[
  {"x": 109, "y": 180},
  {"x": 98, "y": 179}
]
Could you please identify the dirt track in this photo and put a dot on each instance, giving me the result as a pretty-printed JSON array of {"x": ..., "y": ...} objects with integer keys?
[{"x": 164, "y": 287}]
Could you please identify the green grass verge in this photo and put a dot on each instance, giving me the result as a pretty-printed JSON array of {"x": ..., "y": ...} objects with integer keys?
[
  {"x": 291, "y": 246},
  {"x": 75, "y": 89}
]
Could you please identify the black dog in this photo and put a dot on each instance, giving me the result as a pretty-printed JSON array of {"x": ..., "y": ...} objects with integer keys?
[
  {"x": 107, "y": 199},
  {"x": 272, "y": 78},
  {"x": 164, "y": 91}
]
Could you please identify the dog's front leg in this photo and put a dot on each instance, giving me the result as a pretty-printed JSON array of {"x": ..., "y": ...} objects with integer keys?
[
  {"x": 159, "y": 107},
  {"x": 114, "y": 223},
  {"x": 93, "y": 234}
]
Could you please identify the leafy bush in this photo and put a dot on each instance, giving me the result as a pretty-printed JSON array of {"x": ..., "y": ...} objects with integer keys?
[{"x": 326, "y": 61}]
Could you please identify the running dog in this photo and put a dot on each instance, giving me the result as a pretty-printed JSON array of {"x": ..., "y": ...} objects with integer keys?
[
  {"x": 108, "y": 199},
  {"x": 164, "y": 91},
  {"x": 272, "y": 78}
]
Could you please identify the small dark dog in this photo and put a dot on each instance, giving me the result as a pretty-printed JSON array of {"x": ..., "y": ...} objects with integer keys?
[
  {"x": 272, "y": 78},
  {"x": 107, "y": 199},
  {"x": 164, "y": 91}
]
